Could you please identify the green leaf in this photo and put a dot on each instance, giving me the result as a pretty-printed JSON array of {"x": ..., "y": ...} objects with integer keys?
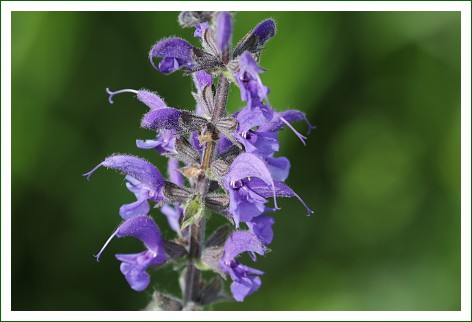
[{"x": 193, "y": 212}]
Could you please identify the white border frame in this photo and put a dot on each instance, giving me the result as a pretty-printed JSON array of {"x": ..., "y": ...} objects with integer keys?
[{"x": 463, "y": 6}]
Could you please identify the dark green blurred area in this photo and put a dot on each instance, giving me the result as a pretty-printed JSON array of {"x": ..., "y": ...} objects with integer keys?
[{"x": 381, "y": 171}]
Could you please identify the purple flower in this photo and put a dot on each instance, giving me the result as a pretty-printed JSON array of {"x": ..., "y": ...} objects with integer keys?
[
  {"x": 245, "y": 279},
  {"x": 224, "y": 30},
  {"x": 244, "y": 203},
  {"x": 134, "y": 266},
  {"x": 176, "y": 53},
  {"x": 249, "y": 82},
  {"x": 144, "y": 180},
  {"x": 165, "y": 139}
]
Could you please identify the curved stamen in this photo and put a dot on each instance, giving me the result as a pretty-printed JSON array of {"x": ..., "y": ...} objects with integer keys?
[
  {"x": 88, "y": 174},
  {"x": 301, "y": 137},
  {"x": 310, "y": 127},
  {"x": 275, "y": 199},
  {"x": 304, "y": 204},
  {"x": 126, "y": 90},
  {"x": 104, "y": 246}
]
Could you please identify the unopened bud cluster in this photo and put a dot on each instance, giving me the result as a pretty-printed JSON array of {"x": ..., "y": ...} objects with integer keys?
[{"x": 229, "y": 162}]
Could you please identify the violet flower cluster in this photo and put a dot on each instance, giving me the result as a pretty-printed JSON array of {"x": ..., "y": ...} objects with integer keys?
[{"x": 230, "y": 163}]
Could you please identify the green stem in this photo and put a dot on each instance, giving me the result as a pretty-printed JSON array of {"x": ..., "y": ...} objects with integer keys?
[{"x": 196, "y": 233}]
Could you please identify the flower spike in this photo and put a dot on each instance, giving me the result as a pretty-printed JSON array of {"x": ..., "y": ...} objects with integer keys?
[{"x": 218, "y": 163}]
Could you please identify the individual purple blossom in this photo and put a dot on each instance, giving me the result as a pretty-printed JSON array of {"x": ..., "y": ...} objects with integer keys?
[
  {"x": 134, "y": 266},
  {"x": 244, "y": 203},
  {"x": 176, "y": 53},
  {"x": 165, "y": 139},
  {"x": 144, "y": 180},
  {"x": 245, "y": 279}
]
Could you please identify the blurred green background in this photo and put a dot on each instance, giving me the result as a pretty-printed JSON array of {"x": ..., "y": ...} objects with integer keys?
[{"x": 381, "y": 171}]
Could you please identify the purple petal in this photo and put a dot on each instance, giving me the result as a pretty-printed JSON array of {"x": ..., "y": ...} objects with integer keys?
[
  {"x": 262, "y": 143},
  {"x": 261, "y": 226},
  {"x": 281, "y": 190},
  {"x": 250, "y": 117},
  {"x": 169, "y": 65},
  {"x": 164, "y": 142},
  {"x": 264, "y": 30},
  {"x": 249, "y": 82},
  {"x": 248, "y": 165},
  {"x": 224, "y": 144},
  {"x": 240, "y": 242},
  {"x": 175, "y": 52},
  {"x": 200, "y": 29},
  {"x": 245, "y": 286},
  {"x": 135, "y": 167},
  {"x": 173, "y": 214},
  {"x": 134, "y": 267},
  {"x": 164, "y": 118},
  {"x": 201, "y": 79},
  {"x": 224, "y": 30},
  {"x": 174, "y": 175},
  {"x": 245, "y": 204},
  {"x": 152, "y": 100},
  {"x": 195, "y": 141},
  {"x": 279, "y": 167},
  {"x": 146, "y": 230},
  {"x": 137, "y": 208},
  {"x": 147, "y": 144}
]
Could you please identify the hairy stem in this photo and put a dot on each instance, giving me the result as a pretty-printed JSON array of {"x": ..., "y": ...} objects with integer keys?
[
  {"x": 197, "y": 230},
  {"x": 221, "y": 98}
]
